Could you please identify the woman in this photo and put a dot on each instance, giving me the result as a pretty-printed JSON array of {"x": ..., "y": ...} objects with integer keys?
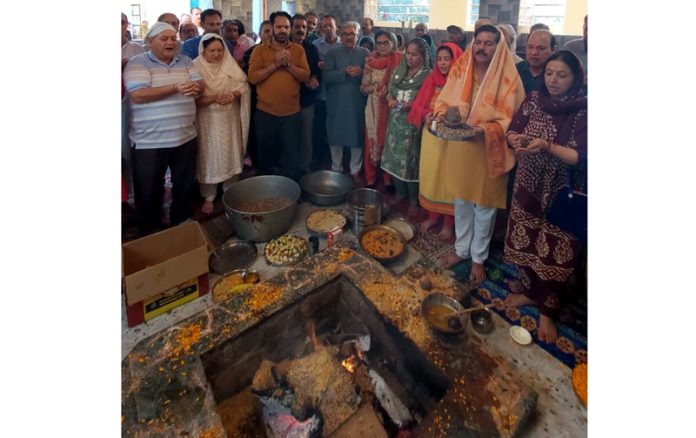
[
  {"x": 222, "y": 118},
  {"x": 235, "y": 33},
  {"x": 433, "y": 196},
  {"x": 402, "y": 144},
  {"x": 549, "y": 136},
  {"x": 375, "y": 83},
  {"x": 511, "y": 39}
]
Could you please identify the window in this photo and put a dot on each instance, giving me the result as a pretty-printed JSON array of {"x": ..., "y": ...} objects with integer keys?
[
  {"x": 416, "y": 11},
  {"x": 290, "y": 7},
  {"x": 473, "y": 12},
  {"x": 549, "y": 12}
]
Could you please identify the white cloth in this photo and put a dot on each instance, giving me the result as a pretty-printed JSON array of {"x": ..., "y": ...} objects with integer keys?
[
  {"x": 473, "y": 226},
  {"x": 222, "y": 129},
  {"x": 209, "y": 191},
  {"x": 356, "y": 159}
]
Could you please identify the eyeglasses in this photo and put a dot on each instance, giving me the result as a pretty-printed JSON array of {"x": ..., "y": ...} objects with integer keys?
[
  {"x": 382, "y": 43},
  {"x": 346, "y": 34}
]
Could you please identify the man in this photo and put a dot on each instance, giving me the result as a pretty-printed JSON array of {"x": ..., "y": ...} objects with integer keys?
[
  {"x": 538, "y": 26},
  {"x": 212, "y": 22},
  {"x": 128, "y": 48},
  {"x": 345, "y": 104},
  {"x": 187, "y": 31},
  {"x": 579, "y": 47},
  {"x": 483, "y": 86},
  {"x": 197, "y": 17},
  {"x": 367, "y": 26},
  {"x": 308, "y": 90},
  {"x": 265, "y": 33},
  {"x": 277, "y": 67},
  {"x": 312, "y": 21},
  {"x": 162, "y": 87},
  {"x": 173, "y": 21},
  {"x": 144, "y": 29},
  {"x": 420, "y": 30},
  {"x": 456, "y": 35},
  {"x": 540, "y": 45},
  {"x": 323, "y": 45},
  {"x": 186, "y": 18}
]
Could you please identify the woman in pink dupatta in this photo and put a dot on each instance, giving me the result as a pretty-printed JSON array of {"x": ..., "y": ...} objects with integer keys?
[
  {"x": 375, "y": 83},
  {"x": 433, "y": 196}
]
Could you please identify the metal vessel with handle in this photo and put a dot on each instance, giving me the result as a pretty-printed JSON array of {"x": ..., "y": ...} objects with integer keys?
[{"x": 261, "y": 226}]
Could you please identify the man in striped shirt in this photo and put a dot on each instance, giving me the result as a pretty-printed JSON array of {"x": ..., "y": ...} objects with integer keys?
[{"x": 162, "y": 87}]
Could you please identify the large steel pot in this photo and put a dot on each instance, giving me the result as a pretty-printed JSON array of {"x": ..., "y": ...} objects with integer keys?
[{"x": 261, "y": 226}]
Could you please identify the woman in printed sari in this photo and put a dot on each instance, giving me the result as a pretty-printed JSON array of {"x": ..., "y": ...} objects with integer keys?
[
  {"x": 433, "y": 196},
  {"x": 402, "y": 144},
  {"x": 549, "y": 136},
  {"x": 222, "y": 118},
  {"x": 375, "y": 83}
]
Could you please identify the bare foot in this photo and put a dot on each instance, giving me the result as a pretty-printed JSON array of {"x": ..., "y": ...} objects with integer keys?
[
  {"x": 449, "y": 260},
  {"x": 517, "y": 300},
  {"x": 478, "y": 274},
  {"x": 413, "y": 211},
  {"x": 425, "y": 226},
  {"x": 514, "y": 285},
  {"x": 207, "y": 207},
  {"x": 446, "y": 232},
  {"x": 547, "y": 329}
]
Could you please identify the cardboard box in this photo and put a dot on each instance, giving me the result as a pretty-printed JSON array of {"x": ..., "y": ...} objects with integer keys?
[{"x": 164, "y": 270}]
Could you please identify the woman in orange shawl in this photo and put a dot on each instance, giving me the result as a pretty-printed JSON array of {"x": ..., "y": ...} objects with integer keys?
[
  {"x": 433, "y": 196},
  {"x": 375, "y": 83}
]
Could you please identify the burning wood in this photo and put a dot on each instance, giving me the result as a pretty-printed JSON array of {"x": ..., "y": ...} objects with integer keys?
[{"x": 350, "y": 363}]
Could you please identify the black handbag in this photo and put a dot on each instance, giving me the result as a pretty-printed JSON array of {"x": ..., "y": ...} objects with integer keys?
[{"x": 569, "y": 210}]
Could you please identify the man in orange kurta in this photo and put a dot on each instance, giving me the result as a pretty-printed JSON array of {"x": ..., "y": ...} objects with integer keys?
[{"x": 485, "y": 87}]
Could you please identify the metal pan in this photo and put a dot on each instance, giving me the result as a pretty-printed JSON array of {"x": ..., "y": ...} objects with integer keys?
[{"x": 232, "y": 255}]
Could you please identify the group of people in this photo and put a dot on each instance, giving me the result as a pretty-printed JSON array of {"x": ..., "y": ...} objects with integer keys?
[{"x": 309, "y": 86}]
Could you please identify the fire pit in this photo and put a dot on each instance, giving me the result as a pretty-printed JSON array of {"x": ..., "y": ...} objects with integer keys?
[
  {"x": 330, "y": 354},
  {"x": 335, "y": 345}
]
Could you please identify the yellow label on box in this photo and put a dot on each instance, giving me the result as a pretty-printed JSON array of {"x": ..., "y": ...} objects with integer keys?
[{"x": 170, "y": 299}]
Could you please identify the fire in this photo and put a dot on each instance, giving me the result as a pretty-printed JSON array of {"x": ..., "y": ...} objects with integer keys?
[{"x": 350, "y": 363}]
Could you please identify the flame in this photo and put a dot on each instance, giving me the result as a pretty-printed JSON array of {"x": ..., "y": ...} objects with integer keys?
[{"x": 350, "y": 363}]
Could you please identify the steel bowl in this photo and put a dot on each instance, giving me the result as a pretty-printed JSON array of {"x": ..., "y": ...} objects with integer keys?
[
  {"x": 438, "y": 320},
  {"x": 261, "y": 226},
  {"x": 398, "y": 235},
  {"x": 364, "y": 208},
  {"x": 482, "y": 321},
  {"x": 326, "y": 187}
]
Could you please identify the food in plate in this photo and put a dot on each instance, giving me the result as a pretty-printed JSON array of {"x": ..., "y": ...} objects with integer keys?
[
  {"x": 234, "y": 283},
  {"x": 323, "y": 221},
  {"x": 381, "y": 243},
  {"x": 285, "y": 250}
]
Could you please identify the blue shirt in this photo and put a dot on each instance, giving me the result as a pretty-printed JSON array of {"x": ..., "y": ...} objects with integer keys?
[{"x": 323, "y": 48}]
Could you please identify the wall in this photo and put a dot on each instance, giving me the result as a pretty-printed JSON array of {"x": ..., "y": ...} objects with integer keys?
[
  {"x": 574, "y": 16},
  {"x": 500, "y": 11},
  {"x": 239, "y": 9},
  {"x": 446, "y": 12}
]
